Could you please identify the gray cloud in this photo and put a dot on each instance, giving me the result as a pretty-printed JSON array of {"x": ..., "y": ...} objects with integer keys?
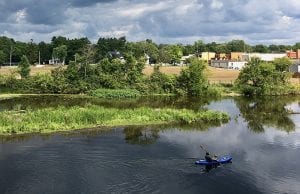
[{"x": 256, "y": 21}]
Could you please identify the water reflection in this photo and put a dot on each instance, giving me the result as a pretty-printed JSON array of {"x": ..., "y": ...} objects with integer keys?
[
  {"x": 266, "y": 112},
  {"x": 146, "y": 135},
  {"x": 140, "y": 135}
]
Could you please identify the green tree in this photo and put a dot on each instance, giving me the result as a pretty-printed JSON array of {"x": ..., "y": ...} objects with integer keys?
[
  {"x": 106, "y": 45},
  {"x": 170, "y": 54},
  {"x": 2, "y": 57},
  {"x": 260, "y": 48},
  {"x": 24, "y": 67},
  {"x": 60, "y": 53},
  {"x": 262, "y": 78},
  {"x": 140, "y": 49},
  {"x": 199, "y": 46},
  {"x": 193, "y": 80},
  {"x": 296, "y": 46},
  {"x": 45, "y": 51},
  {"x": 236, "y": 46}
]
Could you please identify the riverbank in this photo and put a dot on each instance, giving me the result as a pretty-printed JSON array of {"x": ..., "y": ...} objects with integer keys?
[{"x": 65, "y": 119}]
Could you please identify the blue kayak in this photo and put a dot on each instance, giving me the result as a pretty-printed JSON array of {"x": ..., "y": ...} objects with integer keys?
[{"x": 221, "y": 160}]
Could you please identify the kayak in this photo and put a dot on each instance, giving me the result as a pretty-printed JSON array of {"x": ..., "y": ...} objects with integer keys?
[{"x": 221, "y": 160}]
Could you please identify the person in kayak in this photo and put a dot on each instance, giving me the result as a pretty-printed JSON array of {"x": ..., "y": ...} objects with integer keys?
[{"x": 208, "y": 158}]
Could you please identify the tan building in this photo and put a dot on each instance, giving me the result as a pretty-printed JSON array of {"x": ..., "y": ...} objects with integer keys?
[
  {"x": 207, "y": 55},
  {"x": 236, "y": 56}
]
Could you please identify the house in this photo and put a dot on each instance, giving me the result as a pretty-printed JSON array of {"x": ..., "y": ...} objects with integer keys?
[
  {"x": 54, "y": 61},
  {"x": 263, "y": 56},
  {"x": 183, "y": 59},
  {"x": 228, "y": 64}
]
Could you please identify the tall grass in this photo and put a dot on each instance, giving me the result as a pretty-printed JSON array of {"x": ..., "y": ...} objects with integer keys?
[
  {"x": 63, "y": 119},
  {"x": 115, "y": 93}
]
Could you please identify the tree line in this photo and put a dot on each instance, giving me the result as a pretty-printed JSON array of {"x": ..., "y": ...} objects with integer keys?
[{"x": 65, "y": 50}]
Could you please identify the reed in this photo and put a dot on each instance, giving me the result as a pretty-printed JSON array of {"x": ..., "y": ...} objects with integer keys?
[
  {"x": 115, "y": 93},
  {"x": 64, "y": 119}
]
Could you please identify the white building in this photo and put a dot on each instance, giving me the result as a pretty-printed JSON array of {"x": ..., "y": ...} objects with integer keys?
[
  {"x": 263, "y": 56},
  {"x": 54, "y": 61},
  {"x": 228, "y": 64},
  {"x": 147, "y": 57},
  {"x": 184, "y": 58}
]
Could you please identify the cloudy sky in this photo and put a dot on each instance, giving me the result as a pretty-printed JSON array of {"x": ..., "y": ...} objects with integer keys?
[{"x": 164, "y": 21}]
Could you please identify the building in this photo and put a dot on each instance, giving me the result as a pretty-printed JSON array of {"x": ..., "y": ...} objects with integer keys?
[
  {"x": 263, "y": 56},
  {"x": 54, "y": 61},
  {"x": 293, "y": 54},
  {"x": 236, "y": 56},
  {"x": 147, "y": 58},
  {"x": 222, "y": 56},
  {"x": 228, "y": 64},
  {"x": 207, "y": 56},
  {"x": 184, "y": 59}
]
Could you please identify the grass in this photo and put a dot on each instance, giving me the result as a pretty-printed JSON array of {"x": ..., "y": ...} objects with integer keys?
[
  {"x": 65, "y": 119},
  {"x": 115, "y": 93}
]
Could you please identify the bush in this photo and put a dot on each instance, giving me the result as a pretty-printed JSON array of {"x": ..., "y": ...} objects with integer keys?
[
  {"x": 193, "y": 81},
  {"x": 161, "y": 83}
]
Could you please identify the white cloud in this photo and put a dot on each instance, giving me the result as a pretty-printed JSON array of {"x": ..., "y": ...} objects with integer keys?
[
  {"x": 183, "y": 21},
  {"x": 216, "y": 4}
]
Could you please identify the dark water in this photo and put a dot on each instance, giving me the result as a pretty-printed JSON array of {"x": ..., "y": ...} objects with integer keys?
[{"x": 262, "y": 137}]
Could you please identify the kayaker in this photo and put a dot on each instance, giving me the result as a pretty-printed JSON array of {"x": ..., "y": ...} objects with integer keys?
[{"x": 208, "y": 158}]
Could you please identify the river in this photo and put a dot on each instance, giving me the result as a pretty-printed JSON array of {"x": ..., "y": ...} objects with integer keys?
[{"x": 262, "y": 137}]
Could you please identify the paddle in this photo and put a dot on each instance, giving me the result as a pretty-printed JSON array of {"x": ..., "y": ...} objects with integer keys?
[{"x": 207, "y": 151}]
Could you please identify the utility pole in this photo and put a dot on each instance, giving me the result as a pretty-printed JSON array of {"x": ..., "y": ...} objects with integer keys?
[
  {"x": 10, "y": 55},
  {"x": 39, "y": 57}
]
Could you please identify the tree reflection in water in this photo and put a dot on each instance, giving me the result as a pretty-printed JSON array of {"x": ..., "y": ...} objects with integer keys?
[
  {"x": 146, "y": 135},
  {"x": 140, "y": 135},
  {"x": 266, "y": 112}
]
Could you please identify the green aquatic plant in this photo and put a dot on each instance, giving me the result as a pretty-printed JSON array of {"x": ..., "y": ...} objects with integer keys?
[
  {"x": 115, "y": 93},
  {"x": 65, "y": 119}
]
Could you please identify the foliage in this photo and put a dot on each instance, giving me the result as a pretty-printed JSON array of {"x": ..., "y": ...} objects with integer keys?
[
  {"x": 160, "y": 83},
  {"x": 170, "y": 54},
  {"x": 193, "y": 81},
  {"x": 60, "y": 53},
  {"x": 106, "y": 45},
  {"x": 266, "y": 112},
  {"x": 262, "y": 78},
  {"x": 2, "y": 57},
  {"x": 24, "y": 67},
  {"x": 62, "y": 118}
]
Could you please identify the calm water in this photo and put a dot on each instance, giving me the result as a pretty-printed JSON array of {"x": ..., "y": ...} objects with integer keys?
[{"x": 262, "y": 137}]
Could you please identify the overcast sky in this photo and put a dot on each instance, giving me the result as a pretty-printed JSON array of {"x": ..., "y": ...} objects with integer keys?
[{"x": 164, "y": 21}]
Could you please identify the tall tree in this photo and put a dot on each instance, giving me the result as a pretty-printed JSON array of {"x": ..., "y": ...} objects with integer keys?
[
  {"x": 260, "y": 48},
  {"x": 60, "y": 53},
  {"x": 45, "y": 51},
  {"x": 236, "y": 46},
  {"x": 107, "y": 45},
  {"x": 24, "y": 67},
  {"x": 193, "y": 80},
  {"x": 2, "y": 57}
]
